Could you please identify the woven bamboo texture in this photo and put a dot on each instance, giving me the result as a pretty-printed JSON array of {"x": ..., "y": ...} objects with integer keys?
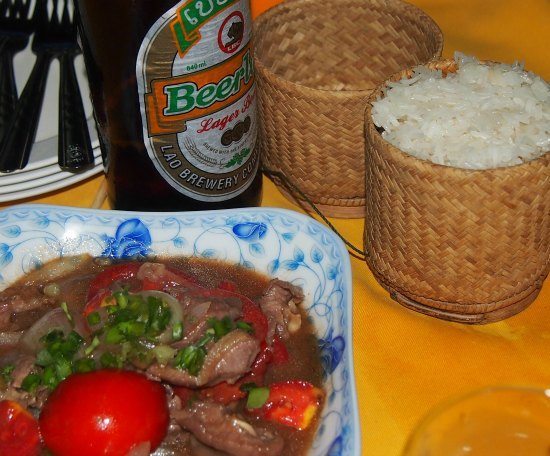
[
  {"x": 466, "y": 245},
  {"x": 316, "y": 66}
]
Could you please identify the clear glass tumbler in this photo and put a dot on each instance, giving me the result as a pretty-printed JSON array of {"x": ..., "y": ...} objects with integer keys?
[{"x": 495, "y": 421}]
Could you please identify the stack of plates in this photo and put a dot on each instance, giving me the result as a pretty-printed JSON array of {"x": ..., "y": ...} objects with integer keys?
[{"x": 42, "y": 174}]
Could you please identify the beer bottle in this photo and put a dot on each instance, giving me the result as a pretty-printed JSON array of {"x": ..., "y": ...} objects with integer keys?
[{"x": 172, "y": 85}]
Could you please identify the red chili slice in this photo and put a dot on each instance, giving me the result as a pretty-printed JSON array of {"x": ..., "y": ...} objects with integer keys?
[
  {"x": 114, "y": 273},
  {"x": 98, "y": 300},
  {"x": 129, "y": 271},
  {"x": 19, "y": 433}
]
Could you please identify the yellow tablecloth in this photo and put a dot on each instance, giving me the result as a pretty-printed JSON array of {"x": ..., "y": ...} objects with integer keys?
[{"x": 406, "y": 363}]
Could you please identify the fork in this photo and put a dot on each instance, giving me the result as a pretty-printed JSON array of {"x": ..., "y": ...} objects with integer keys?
[
  {"x": 16, "y": 26},
  {"x": 74, "y": 148},
  {"x": 48, "y": 42}
]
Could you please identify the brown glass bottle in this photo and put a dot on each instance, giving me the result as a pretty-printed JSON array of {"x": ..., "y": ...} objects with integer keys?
[{"x": 146, "y": 167}]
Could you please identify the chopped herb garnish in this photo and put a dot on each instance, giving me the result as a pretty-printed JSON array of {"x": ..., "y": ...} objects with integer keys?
[
  {"x": 257, "y": 397},
  {"x": 191, "y": 359},
  {"x": 84, "y": 365},
  {"x": 57, "y": 358},
  {"x": 121, "y": 298},
  {"x": 114, "y": 336},
  {"x": 49, "y": 377},
  {"x": 108, "y": 359},
  {"x": 244, "y": 326},
  {"x": 66, "y": 312},
  {"x": 6, "y": 371},
  {"x": 44, "y": 358},
  {"x": 94, "y": 318},
  {"x": 93, "y": 345},
  {"x": 209, "y": 336},
  {"x": 221, "y": 327},
  {"x": 133, "y": 325},
  {"x": 31, "y": 382},
  {"x": 177, "y": 331}
]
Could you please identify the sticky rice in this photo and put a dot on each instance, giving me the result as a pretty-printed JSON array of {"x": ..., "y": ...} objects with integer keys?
[{"x": 483, "y": 116}]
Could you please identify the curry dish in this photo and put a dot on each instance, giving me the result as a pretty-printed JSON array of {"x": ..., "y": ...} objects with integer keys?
[{"x": 176, "y": 356}]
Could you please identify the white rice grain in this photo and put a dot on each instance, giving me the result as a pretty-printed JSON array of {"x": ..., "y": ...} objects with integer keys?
[{"x": 483, "y": 116}]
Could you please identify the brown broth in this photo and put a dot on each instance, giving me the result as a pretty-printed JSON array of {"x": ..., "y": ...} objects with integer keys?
[{"x": 304, "y": 362}]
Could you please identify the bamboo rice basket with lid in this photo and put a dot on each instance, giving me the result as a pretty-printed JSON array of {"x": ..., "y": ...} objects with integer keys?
[
  {"x": 316, "y": 64},
  {"x": 471, "y": 246}
]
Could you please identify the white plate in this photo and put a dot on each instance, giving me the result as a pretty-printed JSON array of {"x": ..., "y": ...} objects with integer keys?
[
  {"x": 52, "y": 186},
  {"x": 36, "y": 181},
  {"x": 12, "y": 180},
  {"x": 276, "y": 242}
]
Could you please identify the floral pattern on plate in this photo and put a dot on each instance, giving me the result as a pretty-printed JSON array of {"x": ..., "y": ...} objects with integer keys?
[{"x": 279, "y": 243}]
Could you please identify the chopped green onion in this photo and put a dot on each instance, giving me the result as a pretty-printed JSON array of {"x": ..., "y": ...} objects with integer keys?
[
  {"x": 93, "y": 345},
  {"x": 65, "y": 308},
  {"x": 191, "y": 359},
  {"x": 108, "y": 359},
  {"x": 30, "y": 383},
  {"x": 257, "y": 397},
  {"x": 62, "y": 369},
  {"x": 53, "y": 336},
  {"x": 49, "y": 377},
  {"x": 132, "y": 329},
  {"x": 177, "y": 331},
  {"x": 6, "y": 371},
  {"x": 74, "y": 342},
  {"x": 114, "y": 336},
  {"x": 84, "y": 365},
  {"x": 244, "y": 326},
  {"x": 208, "y": 337},
  {"x": 44, "y": 358},
  {"x": 221, "y": 327},
  {"x": 93, "y": 318},
  {"x": 121, "y": 298}
]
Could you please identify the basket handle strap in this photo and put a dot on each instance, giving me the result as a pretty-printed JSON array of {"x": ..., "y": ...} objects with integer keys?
[{"x": 300, "y": 196}]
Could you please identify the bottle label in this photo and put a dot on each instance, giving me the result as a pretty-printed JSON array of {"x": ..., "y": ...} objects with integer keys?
[{"x": 197, "y": 97}]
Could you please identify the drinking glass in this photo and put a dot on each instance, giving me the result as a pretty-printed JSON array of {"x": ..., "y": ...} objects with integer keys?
[{"x": 503, "y": 421}]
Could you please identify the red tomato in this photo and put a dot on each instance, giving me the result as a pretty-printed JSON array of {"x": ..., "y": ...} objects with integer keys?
[
  {"x": 106, "y": 412},
  {"x": 19, "y": 434},
  {"x": 293, "y": 403}
]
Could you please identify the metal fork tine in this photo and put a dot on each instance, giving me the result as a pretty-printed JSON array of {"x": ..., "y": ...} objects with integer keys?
[
  {"x": 16, "y": 27},
  {"x": 4, "y": 8},
  {"x": 19, "y": 137}
]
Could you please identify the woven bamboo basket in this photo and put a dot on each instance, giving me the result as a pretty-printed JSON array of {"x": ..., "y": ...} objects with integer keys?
[
  {"x": 316, "y": 65},
  {"x": 471, "y": 246}
]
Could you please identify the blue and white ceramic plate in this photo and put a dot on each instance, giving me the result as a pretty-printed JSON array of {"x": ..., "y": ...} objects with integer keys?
[{"x": 276, "y": 242}]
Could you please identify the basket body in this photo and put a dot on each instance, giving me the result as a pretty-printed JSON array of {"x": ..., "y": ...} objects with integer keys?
[
  {"x": 315, "y": 67},
  {"x": 465, "y": 245}
]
